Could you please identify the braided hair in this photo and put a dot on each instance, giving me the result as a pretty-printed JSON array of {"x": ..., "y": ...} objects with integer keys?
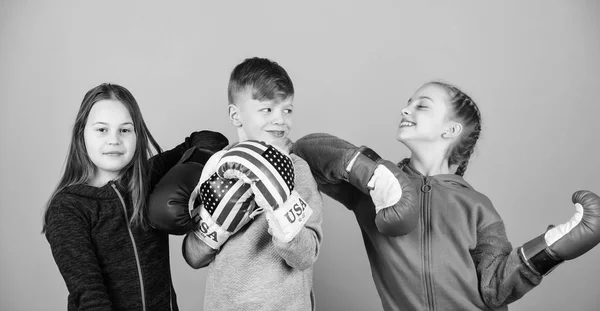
[{"x": 466, "y": 111}]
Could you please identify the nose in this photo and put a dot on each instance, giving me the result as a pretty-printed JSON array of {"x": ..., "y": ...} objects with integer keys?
[
  {"x": 405, "y": 111},
  {"x": 114, "y": 138},
  {"x": 277, "y": 117}
]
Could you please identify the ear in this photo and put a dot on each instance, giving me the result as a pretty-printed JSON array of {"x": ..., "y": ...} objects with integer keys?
[
  {"x": 453, "y": 131},
  {"x": 234, "y": 115}
]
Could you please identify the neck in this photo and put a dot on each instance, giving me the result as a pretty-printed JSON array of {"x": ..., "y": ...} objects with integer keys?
[
  {"x": 99, "y": 180},
  {"x": 241, "y": 135},
  {"x": 430, "y": 160}
]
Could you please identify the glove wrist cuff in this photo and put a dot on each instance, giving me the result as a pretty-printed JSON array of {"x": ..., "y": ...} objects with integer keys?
[
  {"x": 287, "y": 220},
  {"x": 537, "y": 256},
  {"x": 209, "y": 231},
  {"x": 362, "y": 167}
]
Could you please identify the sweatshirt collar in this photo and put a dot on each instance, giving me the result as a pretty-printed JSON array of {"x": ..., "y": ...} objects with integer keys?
[
  {"x": 448, "y": 179},
  {"x": 104, "y": 192}
]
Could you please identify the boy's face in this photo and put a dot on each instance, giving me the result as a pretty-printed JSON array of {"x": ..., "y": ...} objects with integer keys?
[{"x": 269, "y": 121}]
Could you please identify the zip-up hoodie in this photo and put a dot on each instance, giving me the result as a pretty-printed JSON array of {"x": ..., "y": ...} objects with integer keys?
[
  {"x": 106, "y": 264},
  {"x": 457, "y": 258}
]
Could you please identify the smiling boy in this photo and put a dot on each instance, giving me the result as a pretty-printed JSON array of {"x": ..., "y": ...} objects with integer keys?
[{"x": 254, "y": 270}]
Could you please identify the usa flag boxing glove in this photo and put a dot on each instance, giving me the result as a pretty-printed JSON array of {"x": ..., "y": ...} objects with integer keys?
[
  {"x": 270, "y": 173},
  {"x": 225, "y": 205}
]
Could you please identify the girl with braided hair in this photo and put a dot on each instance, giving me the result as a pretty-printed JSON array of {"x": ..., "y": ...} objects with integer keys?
[{"x": 458, "y": 256}]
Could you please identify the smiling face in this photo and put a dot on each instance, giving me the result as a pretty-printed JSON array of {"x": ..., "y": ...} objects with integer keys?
[
  {"x": 110, "y": 139},
  {"x": 268, "y": 120},
  {"x": 426, "y": 117}
]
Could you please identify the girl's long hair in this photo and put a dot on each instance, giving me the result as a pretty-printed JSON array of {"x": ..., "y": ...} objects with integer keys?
[{"x": 79, "y": 169}]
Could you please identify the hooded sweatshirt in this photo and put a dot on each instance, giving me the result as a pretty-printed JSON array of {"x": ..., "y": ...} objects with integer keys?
[
  {"x": 106, "y": 263},
  {"x": 457, "y": 258}
]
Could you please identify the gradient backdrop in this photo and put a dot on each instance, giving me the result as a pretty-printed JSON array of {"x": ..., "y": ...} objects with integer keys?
[{"x": 533, "y": 68}]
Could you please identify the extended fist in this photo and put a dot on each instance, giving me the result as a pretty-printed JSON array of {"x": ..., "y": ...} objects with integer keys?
[{"x": 566, "y": 241}]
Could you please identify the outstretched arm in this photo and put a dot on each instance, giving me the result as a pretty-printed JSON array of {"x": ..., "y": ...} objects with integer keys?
[
  {"x": 506, "y": 274},
  {"x": 336, "y": 163}
]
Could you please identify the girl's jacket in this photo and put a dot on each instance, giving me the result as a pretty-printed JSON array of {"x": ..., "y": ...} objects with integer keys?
[
  {"x": 106, "y": 263},
  {"x": 457, "y": 258}
]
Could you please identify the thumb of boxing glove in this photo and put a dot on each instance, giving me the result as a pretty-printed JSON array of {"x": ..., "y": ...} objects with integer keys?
[
  {"x": 392, "y": 192},
  {"x": 385, "y": 188}
]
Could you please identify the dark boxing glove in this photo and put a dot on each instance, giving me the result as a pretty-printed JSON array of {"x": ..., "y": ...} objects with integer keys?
[
  {"x": 168, "y": 203},
  {"x": 566, "y": 241},
  {"x": 392, "y": 192}
]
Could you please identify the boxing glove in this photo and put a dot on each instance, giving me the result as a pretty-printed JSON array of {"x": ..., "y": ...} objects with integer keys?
[
  {"x": 334, "y": 160},
  {"x": 270, "y": 172},
  {"x": 566, "y": 241},
  {"x": 161, "y": 163},
  {"x": 168, "y": 203},
  {"x": 226, "y": 205}
]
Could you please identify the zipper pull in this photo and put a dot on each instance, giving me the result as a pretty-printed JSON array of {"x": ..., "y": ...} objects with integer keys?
[{"x": 426, "y": 187}]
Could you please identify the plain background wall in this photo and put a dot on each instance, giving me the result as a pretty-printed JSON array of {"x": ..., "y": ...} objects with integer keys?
[{"x": 532, "y": 66}]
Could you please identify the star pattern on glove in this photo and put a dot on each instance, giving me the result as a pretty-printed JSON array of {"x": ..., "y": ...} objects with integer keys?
[
  {"x": 213, "y": 190},
  {"x": 283, "y": 164}
]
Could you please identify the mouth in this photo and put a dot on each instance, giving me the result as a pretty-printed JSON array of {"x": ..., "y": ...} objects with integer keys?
[
  {"x": 113, "y": 154},
  {"x": 407, "y": 124},
  {"x": 277, "y": 134}
]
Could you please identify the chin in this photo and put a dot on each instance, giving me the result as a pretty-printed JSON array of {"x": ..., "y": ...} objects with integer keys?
[
  {"x": 279, "y": 142},
  {"x": 401, "y": 137}
]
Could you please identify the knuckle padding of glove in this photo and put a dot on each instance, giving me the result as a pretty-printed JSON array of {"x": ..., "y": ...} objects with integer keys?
[
  {"x": 272, "y": 170},
  {"x": 196, "y": 155},
  {"x": 167, "y": 207},
  {"x": 210, "y": 140}
]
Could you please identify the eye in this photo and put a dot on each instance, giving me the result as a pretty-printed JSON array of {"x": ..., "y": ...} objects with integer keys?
[
  {"x": 126, "y": 130},
  {"x": 422, "y": 106},
  {"x": 267, "y": 110},
  {"x": 288, "y": 111},
  {"x": 102, "y": 129}
]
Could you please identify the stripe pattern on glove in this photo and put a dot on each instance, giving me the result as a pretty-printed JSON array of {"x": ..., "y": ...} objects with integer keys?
[
  {"x": 270, "y": 170},
  {"x": 227, "y": 201}
]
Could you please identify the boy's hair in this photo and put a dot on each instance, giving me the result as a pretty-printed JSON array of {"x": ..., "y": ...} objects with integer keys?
[
  {"x": 465, "y": 110},
  {"x": 265, "y": 78},
  {"x": 79, "y": 169}
]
